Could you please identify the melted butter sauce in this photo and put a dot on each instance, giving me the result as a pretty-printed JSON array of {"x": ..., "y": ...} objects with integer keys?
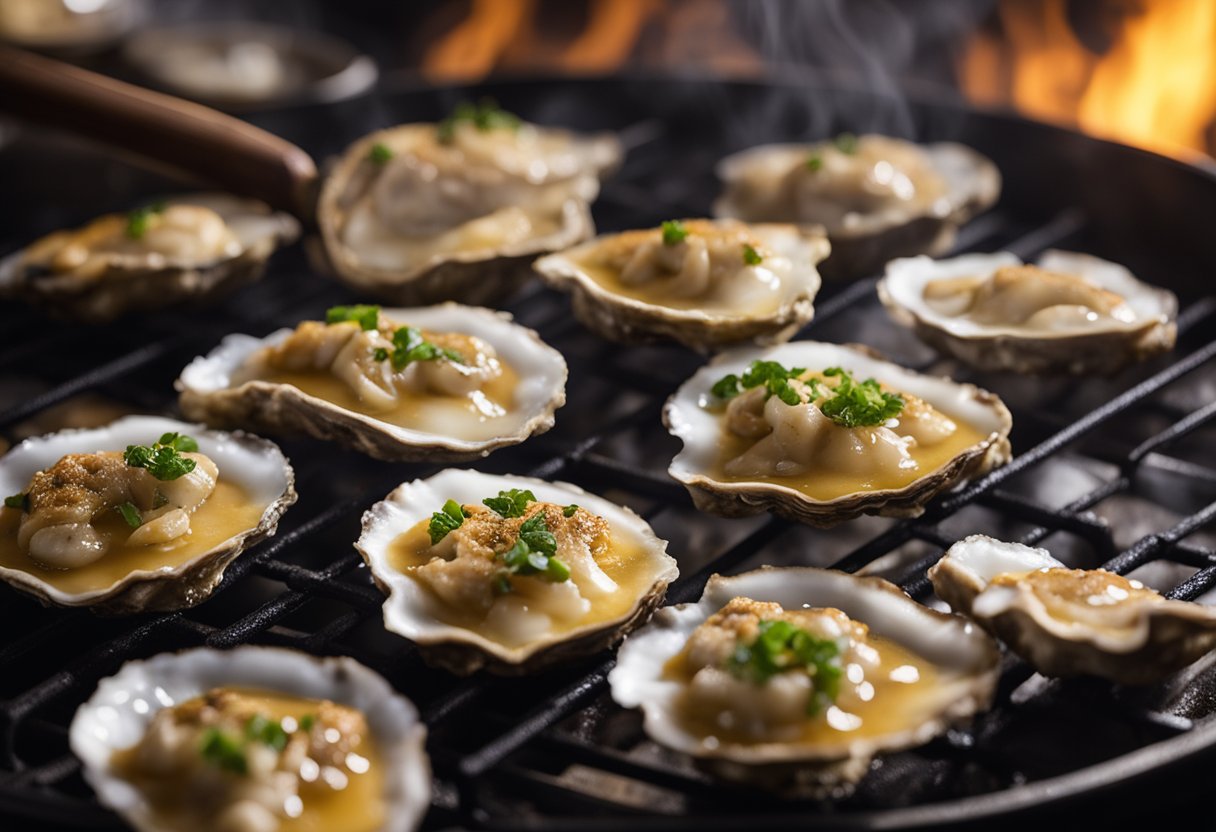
[
  {"x": 906, "y": 691},
  {"x": 477, "y": 416},
  {"x": 359, "y": 807},
  {"x": 826, "y": 484},
  {"x": 226, "y": 513},
  {"x": 624, "y": 562}
]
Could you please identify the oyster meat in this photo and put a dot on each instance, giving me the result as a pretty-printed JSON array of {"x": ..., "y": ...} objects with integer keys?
[
  {"x": 703, "y": 283},
  {"x": 793, "y": 679},
  {"x": 256, "y": 739},
  {"x": 446, "y": 382},
  {"x": 510, "y": 573},
  {"x": 1070, "y": 313},
  {"x": 821, "y": 433},
  {"x": 1070, "y": 622},
  {"x": 143, "y": 514},
  {"x": 457, "y": 210},
  {"x": 877, "y": 197},
  {"x": 187, "y": 247}
]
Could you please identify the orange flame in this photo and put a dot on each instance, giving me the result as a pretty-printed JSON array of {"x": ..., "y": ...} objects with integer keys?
[{"x": 1155, "y": 87}]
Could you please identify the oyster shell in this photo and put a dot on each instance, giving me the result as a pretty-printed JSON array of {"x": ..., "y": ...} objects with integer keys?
[
  {"x": 702, "y": 291},
  {"x": 612, "y": 593},
  {"x": 1070, "y": 622},
  {"x": 122, "y": 583},
  {"x": 878, "y": 197},
  {"x": 217, "y": 389},
  {"x": 422, "y": 213},
  {"x": 1075, "y": 313},
  {"x": 812, "y": 756},
  {"x": 815, "y": 472},
  {"x": 198, "y": 245},
  {"x": 126, "y": 705}
]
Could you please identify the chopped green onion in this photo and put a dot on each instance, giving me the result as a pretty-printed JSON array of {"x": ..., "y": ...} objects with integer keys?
[
  {"x": 379, "y": 154},
  {"x": 131, "y": 514},
  {"x": 140, "y": 220},
  {"x": 366, "y": 316},
  {"x": 19, "y": 501},
  {"x": 569, "y": 510},
  {"x": 750, "y": 256},
  {"x": 223, "y": 751},
  {"x": 674, "y": 232}
]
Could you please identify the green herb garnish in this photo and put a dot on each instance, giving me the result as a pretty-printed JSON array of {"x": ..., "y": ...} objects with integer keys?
[
  {"x": 163, "y": 460},
  {"x": 379, "y": 154},
  {"x": 19, "y": 501},
  {"x": 569, "y": 510},
  {"x": 447, "y": 519},
  {"x": 510, "y": 503},
  {"x": 750, "y": 256},
  {"x": 863, "y": 404},
  {"x": 409, "y": 346},
  {"x": 139, "y": 220},
  {"x": 485, "y": 115},
  {"x": 846, "y": 143},
  {"x": 814, "y": 163},
  {"x": 780, "y": 647},
  {"x": 266, "y": 731},
  {"x": 131, "y": 514},
  {"x": 224, "y": 751},
  {"x": 535, "y": 552},
  {"x": 770, "y": 374},
  {"x": 307, "y": 721},
  {"x": 674, "y": 232},
  {"x": 367, "y": 317}
]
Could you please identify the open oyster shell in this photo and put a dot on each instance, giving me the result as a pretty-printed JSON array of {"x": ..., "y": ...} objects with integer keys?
[
  {"x": 907, "y": 199},
  {"x": 120, "y": 711},
  {"x": 1140, "y": 327},
  {"x": 1122, "y": 633},
  {"x": 411, "y": 610},
  {"x": 965, "y": 657},
  {"x": 255, "y": 464},
  {"x": 208, "y": 392},
  {"x": 701, "y": 428},
  {"x": 460, "y": 219},
  {"x": 97, "y": 273},
  {"x": 766, "y": 302}
]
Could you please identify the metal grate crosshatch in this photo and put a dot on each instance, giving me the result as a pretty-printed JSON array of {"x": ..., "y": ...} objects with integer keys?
[{"x": 1116, "y": 472}]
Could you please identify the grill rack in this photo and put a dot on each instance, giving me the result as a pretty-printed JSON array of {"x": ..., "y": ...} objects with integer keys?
[{"x": 533, "y": 754}]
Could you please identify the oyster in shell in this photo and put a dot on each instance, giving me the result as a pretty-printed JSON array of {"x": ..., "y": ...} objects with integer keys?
[
  {"x": 87, "y": 525},
  {"x": 552, "y": 573},
  {"x": 877, "y": 197},
  {"x": 188, "y": 247},
  {"x": 438, "y": 383},
  {"x": 458, "y": 210},
  {"x": 1070, "y": 622},
  {"x": 703, "y": 283},
  {"x": 793, "y": 679},
  {"x": 255, "y": 739},
  {"x": 795, "y": 430},
  {"x": 1071, "y": 313}
]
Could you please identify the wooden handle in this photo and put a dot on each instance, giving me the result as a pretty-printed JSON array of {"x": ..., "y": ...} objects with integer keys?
[{"x": 198, "y": 140}]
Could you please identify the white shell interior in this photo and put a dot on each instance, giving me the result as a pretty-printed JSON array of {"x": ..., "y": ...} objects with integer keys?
[
  {"x": 906, "y": 279},
  {"x": 258, "y": 467},
  {"x": 541, "y": 369},
  {"x": 412, "y": 611},
  {"x": 700, "y": 427},
  {"x": 957, "y": 647},
  {"x": 118, "y": 715}
]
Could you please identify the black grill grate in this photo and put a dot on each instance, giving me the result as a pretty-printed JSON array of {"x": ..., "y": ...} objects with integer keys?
[{"x": 1117, "y": 472}]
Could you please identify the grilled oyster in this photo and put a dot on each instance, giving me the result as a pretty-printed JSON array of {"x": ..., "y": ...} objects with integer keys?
[
  {"x": 87, "y": 524},
  {"x": 793, "y": 679},
  {"x": 255, "y": 739},
  {"x": 700, "y": 282},
  {"x": 878, "y": 197},
  {"x": 794, "y": 430},
  {"x": 538, "y": 574},
  {"x": 1071, "y": 313},
  {"x": 458, "y": 210},
  {"x": 438, "y": 383},
  {"x": 1070, "y": 622},
  {"x": 188, "y": 247}
]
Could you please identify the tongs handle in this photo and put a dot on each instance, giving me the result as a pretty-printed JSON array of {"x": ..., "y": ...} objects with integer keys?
[{"x": 205, "y": 143}]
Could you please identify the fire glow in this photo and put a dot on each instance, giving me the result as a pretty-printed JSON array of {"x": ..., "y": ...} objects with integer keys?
[{"x": 1155, "y": 86}]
